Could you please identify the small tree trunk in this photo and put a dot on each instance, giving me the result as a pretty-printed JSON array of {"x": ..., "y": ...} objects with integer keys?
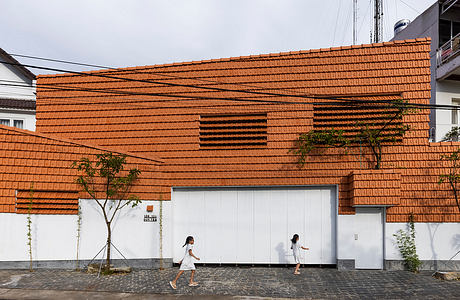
[{"x": 109, "y": 243}]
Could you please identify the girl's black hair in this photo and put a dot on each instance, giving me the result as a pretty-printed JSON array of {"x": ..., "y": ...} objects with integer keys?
[
  {"x": 294, "y": 238},
  {"x": 187, "y": 240}
]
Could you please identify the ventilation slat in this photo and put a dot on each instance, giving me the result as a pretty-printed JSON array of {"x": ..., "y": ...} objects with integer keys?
[
  {"x": 46, "y": 202},
  {"x": 233, "y": 131},
  {"x": 348, "y": 118}
]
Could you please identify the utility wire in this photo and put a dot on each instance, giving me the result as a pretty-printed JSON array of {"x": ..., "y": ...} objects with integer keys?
[
  {"x": 342, "y": 101},
  {"x": 413, "y": 105},
  {"x": 202, "y": 87},
  {"x": 60, "y": 61},
  {"x": 370, "y": 103},
  {"x": 138, "y": 72},
  {"x": 411, "y": 7}
]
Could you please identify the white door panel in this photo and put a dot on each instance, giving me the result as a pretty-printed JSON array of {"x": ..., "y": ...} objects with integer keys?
[
  {"x": 245, "y": 241},
  {"x": 243, "y": 225},
  {"x": 228, "y": 220},
  {"x": 261, "y": 230},
  {"x": 369, "y": 238}
]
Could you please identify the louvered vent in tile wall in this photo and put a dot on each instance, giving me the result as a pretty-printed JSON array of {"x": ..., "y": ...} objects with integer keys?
[
  {"x": 46, "y": 202},
  {"x": 234, "y": 131},
  {"x": 350, "y": 118}
]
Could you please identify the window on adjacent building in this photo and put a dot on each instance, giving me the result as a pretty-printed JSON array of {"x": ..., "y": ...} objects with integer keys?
[
  {"x": 18, "y": 124},
  {"x": 237, "y": 131},
  {"x": 455, "y": 112},
  {"x": 15, "y": 123}
]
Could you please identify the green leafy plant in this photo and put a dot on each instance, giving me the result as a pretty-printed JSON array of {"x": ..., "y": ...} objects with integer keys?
[
  {"x": 374, "y": 134},
  {"x": 161, "y": 233},
  {"x": 77, "y": 267},
  {"x": 453, "y": 176},
  {"x": 452, "y": 135},
  {"x": 319, "y": 138},
  {"x": 104, "y": 183},
  {"x": 405, "y": 240},
  {"x": 29, "y": 226}
]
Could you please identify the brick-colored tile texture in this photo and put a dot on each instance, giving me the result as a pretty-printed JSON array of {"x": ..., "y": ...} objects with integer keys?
[
  {"x": 38, "y": 167},
  {"x": 160, "y": 121},
  {"x": 375, "y": 187}
]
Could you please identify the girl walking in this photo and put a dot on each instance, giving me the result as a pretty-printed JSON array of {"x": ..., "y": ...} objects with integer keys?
[
  {"x": 296, "y": 251},
  {"x": 186, "y": 263}
]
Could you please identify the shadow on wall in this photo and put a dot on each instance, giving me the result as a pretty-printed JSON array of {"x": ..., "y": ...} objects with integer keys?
[
  {"x": 281, "y": 253},
  {"x": 456, "y": 242},
  {"x": 432, "y": 229}
]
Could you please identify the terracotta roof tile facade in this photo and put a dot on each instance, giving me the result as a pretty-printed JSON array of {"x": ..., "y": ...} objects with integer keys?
[
  {"x": 164, "y": 116},
  {"x": 38, "y": 167}
]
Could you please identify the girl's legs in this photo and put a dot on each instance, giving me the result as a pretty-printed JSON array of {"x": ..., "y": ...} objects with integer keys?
[
  {"x": 297, "y": 268},
  {"x": 191, "y": 276},
  {"x": 177, "y": 277}
]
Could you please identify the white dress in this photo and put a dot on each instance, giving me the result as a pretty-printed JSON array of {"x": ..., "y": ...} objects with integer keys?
[
  {"x": 296, "y": 252},
  {"x": 187, "y": 262}
]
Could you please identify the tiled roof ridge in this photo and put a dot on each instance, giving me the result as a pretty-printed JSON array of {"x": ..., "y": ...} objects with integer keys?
[
  {"x": 70, "y": 141},
  {"x": 257, "y": 56}
]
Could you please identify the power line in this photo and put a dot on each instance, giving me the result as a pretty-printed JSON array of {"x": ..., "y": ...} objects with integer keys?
[
  {"x": 344, "y": 102},
  {"x": 199, "y": 87},
  {"x": 414, "y": 105},
  {"x": 60, "y": 61},
  {"x": 411, "y": 7},
  {"x": 137, "y": 72}
]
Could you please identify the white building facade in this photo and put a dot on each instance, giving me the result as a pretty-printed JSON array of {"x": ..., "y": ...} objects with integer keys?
[
  {"x": 440, "y": 22},
  {"x": 17, "y": 94}
]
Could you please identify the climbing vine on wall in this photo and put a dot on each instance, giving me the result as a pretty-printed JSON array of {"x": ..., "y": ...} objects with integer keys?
[{"x": 29, "y": 226}]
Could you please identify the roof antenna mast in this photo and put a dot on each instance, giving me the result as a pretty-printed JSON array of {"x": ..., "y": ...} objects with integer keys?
[
  {"x": 378, "y": 21},
  {"x": 355, "y": 20}
]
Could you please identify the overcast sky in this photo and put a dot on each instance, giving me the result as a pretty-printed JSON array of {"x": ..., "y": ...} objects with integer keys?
[{"x": 118, "y": 33}]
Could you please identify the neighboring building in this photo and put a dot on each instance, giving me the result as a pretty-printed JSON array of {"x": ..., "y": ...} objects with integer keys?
[
  {"x": 17, "y": 94},
  {"x": 224, "y": 130},
  {"x": 441, "y": 22}
]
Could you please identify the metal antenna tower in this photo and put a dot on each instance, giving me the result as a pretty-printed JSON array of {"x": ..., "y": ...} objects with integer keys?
[
  {"x": 378, "y": 22},
  {"x": 355, "y": 20}
]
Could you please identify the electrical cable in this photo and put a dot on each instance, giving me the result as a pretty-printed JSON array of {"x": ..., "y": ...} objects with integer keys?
[
  {"x": 138, "y": 72},
  {"x": 411, "y": 7},
  {"x": 228, "y": 90}
]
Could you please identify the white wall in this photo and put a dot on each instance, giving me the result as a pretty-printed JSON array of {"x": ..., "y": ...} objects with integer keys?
[
  {"x": 435, "y": 241},
  {"x": 8, "y": 74},
  {"x": 445, "y": 91},
  {"x": 131, "y": 235},
  {"x": 54, "y": 236}
]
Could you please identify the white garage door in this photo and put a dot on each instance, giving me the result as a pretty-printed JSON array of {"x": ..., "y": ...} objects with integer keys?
[{"x": 255, "y": 225}]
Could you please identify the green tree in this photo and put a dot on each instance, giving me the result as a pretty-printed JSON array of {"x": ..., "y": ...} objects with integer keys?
[
  {"x": 374, "y": 134},
  {"x": 104, "y": 182},
  {"x": 453, "y": 176},
  {"x": 452, "y": 135}
]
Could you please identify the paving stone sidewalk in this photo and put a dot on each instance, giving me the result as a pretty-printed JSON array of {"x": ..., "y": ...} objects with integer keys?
[{"x": 313, "y": 283}]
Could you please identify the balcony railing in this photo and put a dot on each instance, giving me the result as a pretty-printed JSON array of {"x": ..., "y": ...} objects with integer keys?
[{"x": 449, "y": 50}]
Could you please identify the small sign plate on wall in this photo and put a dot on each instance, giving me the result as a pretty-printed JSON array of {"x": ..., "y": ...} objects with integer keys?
[{"x": 150, "y": 218}]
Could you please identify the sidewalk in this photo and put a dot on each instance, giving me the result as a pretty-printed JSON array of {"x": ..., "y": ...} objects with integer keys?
[
  {"x": 82, "y": 295},
  {"x": 226, "y": 283}
]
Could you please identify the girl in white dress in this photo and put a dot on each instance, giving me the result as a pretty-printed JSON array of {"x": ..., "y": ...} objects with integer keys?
[
  {"x": 296, "y": 252},
  {"x": 186, "y": 263}
]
